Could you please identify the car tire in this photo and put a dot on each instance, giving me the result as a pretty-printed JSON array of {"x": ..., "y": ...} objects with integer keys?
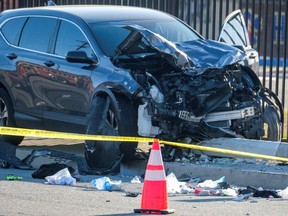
[
  {"x": 7, "y": 117},
  {"x": 108, "y": 118},
  {"x": 272, "y": 123}
]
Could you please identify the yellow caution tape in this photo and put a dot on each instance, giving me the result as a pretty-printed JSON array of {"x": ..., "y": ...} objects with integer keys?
[
  {"x": 225, "y": 151},
  {"x": 62, "y": 135}
]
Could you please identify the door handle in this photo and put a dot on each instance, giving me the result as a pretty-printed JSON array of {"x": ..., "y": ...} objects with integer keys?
[
  {"x": 49, "y": 63},
  {"x": 11, "y": 56}
]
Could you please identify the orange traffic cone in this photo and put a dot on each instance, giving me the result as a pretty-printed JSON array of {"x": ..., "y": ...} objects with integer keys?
[{"x": 154, "y": 193}]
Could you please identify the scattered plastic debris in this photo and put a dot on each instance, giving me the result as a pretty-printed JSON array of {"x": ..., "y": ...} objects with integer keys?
[
  {"x": 52, "y": 168},
  {"x": 136, "y": 180},
  {"x": 215, "y": 192},
  {"x": 283, "y": 193},
  {"x": 195, "y": 180},
  {"x": 223, "y": 185},
  {"x": 105, "y": 183},
  {"x": 204, "y": 158},
  {"x": 13, "y": 177},
  {"x": 202, "y": 192},
  {"x": 215, "y": 188},
  {"x": 229, "y": 192},
  {"x": 62, "y": 177},
  {"x": 243, "y": 197},
  {"x": 211, "y": 184},
  {"x": 186, "y": 189},
  {"x": 206, "y": 188},
  {"x": 173, "y": 185}
]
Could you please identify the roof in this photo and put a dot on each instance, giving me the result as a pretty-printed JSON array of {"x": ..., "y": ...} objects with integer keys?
[{"x": 92, "y": 13}]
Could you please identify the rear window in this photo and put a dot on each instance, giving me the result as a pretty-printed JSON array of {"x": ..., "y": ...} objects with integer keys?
[
  {"x": 12, "y": 29},
  {"x": 36, "y": 33}
]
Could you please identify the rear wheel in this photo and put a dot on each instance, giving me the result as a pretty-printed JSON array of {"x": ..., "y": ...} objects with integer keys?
[
  {"x": 108, "y": 118},
  {"x": 7, "y": 117}
]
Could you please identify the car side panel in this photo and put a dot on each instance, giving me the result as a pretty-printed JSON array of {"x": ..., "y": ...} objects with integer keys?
[
  {"x": 22, "y": 77},
  {"x": 66, "y": 91}
]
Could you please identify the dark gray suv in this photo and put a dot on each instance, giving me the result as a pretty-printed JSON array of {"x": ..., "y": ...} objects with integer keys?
[{"x": 129, "y": 71}]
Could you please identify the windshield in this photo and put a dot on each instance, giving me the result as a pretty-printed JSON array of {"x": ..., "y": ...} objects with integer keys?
[{"x": 110, "y": 35}]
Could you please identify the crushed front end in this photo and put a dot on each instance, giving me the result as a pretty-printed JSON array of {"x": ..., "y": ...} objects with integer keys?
[{"x": 197, "y": 89}]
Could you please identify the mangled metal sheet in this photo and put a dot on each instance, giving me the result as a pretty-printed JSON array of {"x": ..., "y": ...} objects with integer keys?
[{"x": 192, "y": 56}]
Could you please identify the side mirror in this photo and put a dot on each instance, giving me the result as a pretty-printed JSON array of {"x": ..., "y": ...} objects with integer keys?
[{"x": 79, "y": 57}]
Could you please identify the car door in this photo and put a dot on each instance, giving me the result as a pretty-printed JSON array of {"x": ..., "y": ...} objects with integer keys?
[
  {"x": 26, "y": 57},
  {"x": 67, "y": 86},
  {"x": 234, "y": 32}
]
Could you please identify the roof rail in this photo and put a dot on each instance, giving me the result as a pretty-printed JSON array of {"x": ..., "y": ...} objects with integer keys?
[{"x": 50, "y": 3}]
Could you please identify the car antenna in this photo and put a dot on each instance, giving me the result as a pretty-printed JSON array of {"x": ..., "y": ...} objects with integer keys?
[{"x": 50, "y": 3}]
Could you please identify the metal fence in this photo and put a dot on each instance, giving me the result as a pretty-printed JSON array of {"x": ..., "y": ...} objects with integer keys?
[{"x": 266, "y": 21}]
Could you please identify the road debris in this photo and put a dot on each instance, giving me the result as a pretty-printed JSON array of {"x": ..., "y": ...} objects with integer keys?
[
  {"x": 283, "y": 193},
  {"x": 130, "y": 194},
  {"x": 8, "y": 157},
  {"x": 136, "y": 180},
  {"x": 13, "y": 177},
  {"x": 105, "y": 183},
  {"x": 173, "y": 185},
  {"x": 52, "y": 168},
  {"x": 220, "y": 188},
  {"x": 62, "y": 177}
]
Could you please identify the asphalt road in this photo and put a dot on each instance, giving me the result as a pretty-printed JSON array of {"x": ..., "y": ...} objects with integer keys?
[
  {"x": 30, "y": 197},
  {"x": 33, "y": 197}
]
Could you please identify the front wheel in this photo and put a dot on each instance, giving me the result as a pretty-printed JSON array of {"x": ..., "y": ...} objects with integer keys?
[
  {"x": 114, "y": 119},
  {"x": 272, "y": 124}
]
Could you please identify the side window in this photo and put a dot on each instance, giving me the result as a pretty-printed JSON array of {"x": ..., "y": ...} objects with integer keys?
[
  {"x": 12, "y": 29},
  {"x": 70, "y": 38},
  {"x": 109, "y": 37},
  {"x": 36, "y": 33}
]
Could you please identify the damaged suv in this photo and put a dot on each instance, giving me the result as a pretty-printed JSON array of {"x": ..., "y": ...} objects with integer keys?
[{"x": 133, "y": 72}]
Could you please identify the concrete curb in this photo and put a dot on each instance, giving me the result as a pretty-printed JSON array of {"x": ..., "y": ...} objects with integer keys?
[
  {"x": 267, "y": 177},
  {"x": 239, "y": 175}
]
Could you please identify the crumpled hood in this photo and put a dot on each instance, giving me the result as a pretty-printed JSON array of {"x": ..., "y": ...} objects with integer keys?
[
  {"x": 193, "y": 57},
  {"x": 156, "y": 42},
  {"x": 207, "y": 54}
]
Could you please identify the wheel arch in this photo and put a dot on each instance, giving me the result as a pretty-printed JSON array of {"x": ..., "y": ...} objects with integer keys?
[
  {"x": 267, "y": 95},
  {"x": 105, "y": 92},
  {"x": 95, "y": 151},
  {"x": 250, "y": 77},
  {"x": 113, "y": 94},
  {"x": 6, "y": 89},
  {"x": 9, "y": 118}
]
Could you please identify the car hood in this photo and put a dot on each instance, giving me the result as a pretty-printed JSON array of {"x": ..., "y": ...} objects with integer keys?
[
  {"x": 207, "y": 54},
  {"x": 193, "y": 56}
]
